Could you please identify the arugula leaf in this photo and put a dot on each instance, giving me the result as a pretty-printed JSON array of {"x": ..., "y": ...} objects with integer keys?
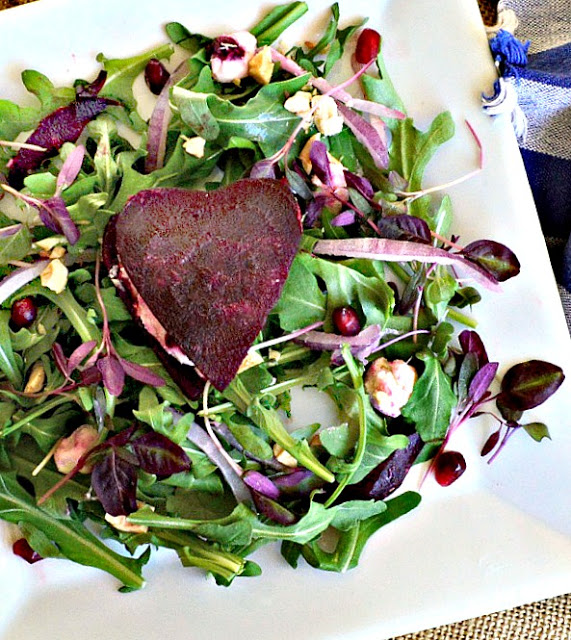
[
  {"x": 411, "y": 149},
  {"x": 348, "y": 514},
  {"x": 15, "y": 119},
  {"x": 72, "y": 538},
  {"x": 181, "y": 36},
  {"x": 301, "y": 302},
  {"x": 47, "y": 431},
  {"x": 333, "y": 40},
  {"x": 160, "y": 418},
  {"x": 15, "y": 246},
  {"x": 262, "y": 119},
  {"x": 431, "y": 403},
  {"x": 352, "y": 541},
  {"x": 194, "y": 110},
  {"x": 23, "y": 458},
  {"x": 8, "y": 363},
  {"x": 122, "y": 72}
]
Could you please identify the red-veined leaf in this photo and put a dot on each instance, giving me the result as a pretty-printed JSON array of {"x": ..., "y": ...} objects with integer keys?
[
  {"x": 112, "y": 373},
  {"x": 114, "y": 481},
  {"x": 159, "y": 455}
]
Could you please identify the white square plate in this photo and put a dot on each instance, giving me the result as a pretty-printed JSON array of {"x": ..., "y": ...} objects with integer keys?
[{"x": 500, "y": 536}]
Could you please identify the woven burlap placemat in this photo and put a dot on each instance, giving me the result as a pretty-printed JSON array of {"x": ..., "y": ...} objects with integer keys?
[{"x": 546, "y": 620}]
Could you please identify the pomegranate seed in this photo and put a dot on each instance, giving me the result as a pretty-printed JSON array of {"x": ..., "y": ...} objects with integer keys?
[
  {"x": 156, "y": 76},
  {"x": 449, "y": 466},
  {"x": 22, "y": 548},
  {"x": 346, "y": 321},
  {"x": 368, "y": 46},
  {"x": 23, "y": 312}
]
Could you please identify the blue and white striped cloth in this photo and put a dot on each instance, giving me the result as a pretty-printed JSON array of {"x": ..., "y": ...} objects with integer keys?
[{"x": 544, "y": 95}]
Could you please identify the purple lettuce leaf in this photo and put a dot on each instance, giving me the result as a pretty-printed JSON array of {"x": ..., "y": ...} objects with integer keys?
[
  {"x": 141, "y": 374},
  {"x": 320, "y": 163},
  {"x": 405, "y": 227},
  {"x": 114, "y": 481},
  {"x": 55, "y": 216},
  {"x": 112, "y": 373},
  {"x": 360, "y": 184},
  {"x": 159, "y": 455}
]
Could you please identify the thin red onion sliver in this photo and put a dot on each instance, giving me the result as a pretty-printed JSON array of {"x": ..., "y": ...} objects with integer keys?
[
  {"x": 202, "y": 440},
  {"x": 70, "y": 168},
  {"x": 19, "y": 278},
  {"x": 159, "y": 122},
  {"x": 402, "y": 251}
]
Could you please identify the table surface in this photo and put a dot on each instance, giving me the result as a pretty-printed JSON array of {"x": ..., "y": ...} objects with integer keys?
[{"x": 545, "y": 620}]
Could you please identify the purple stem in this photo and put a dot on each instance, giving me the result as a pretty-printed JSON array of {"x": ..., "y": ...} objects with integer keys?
[{"x": 508, "y": 434}]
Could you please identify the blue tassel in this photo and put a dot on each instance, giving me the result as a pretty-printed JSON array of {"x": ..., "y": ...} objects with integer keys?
[{"x": 509, "y": 53}]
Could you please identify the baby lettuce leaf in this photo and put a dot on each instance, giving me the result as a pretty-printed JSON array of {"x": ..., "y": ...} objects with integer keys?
[{"x": 71, "y": 537}]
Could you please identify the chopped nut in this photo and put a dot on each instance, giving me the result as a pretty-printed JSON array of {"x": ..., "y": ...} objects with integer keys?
[
  {"x": 326, "y": 117},
  {"x": 194, "y": 146},
  {"x": 57, "y": 252},
  {"x": 304, "y": 155},
  {"x": 120, "y": 523},
  {"x": 315, "y": 440},
  {"x": 252, "y": 359},
  {"x": 299, "y": 103},
  {"x": 47, "y": 244},
  {"x": 261, "y": 66},
  {"x": 281, "y": 455},
  {"x": 36, "y": 379},
  {"x": 54, "y": 276}
]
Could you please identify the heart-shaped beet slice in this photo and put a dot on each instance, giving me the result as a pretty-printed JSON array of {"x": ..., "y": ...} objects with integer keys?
[{"x": 210, "y": 265}]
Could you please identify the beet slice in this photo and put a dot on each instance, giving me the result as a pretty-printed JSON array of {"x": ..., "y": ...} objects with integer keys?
[
  {"x": 209, "y": 265},
  {"x": 62, "y": 125}
]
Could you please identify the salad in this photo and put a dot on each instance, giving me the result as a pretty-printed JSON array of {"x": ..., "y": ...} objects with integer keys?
[{"x": 168, "y": 284}]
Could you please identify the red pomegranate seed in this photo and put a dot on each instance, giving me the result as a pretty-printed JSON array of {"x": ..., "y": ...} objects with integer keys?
[
  {"x": 368, "y": 46},
  {"x": 448, "y": 467},
  {"x": 23, "y": 312},
  {"x": 156, "y": 76},
  {"x": 346, "y": 321},
  {"x": 22, "y": 548}
]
